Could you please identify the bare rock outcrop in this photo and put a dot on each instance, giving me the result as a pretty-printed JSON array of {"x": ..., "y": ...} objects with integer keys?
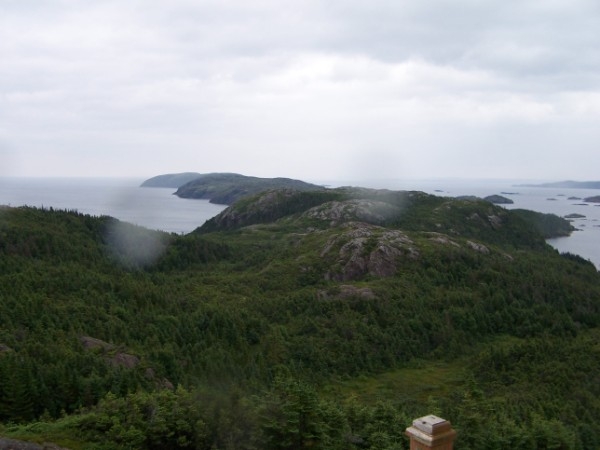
[
  {"x": 442, "y": 239},
  {"x": 363, "y": 210},
  {"x": 5, "y": 348},
  {"x": 478, "y": 247},
  {"x": 111, "y": 354},
  {"x": 90, "y": 343},
  {"x": 124, "y": 360},
  {"x": 364, "y": 249},
  {"x": 115, "y": 357}
]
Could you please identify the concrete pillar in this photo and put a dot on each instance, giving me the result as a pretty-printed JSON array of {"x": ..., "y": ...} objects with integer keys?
[{"x": 431, "y": 432}]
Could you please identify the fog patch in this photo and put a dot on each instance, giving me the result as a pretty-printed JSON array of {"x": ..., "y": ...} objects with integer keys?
[{"x": 134, "y": 246}]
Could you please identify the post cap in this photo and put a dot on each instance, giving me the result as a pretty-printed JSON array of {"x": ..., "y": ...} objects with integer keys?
[
  {"x": 431, "y": 424},
  {"x": 429, "y": 432}
]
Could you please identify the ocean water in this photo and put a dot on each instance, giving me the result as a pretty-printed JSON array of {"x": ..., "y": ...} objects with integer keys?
[
  {"x": 158, "y": 208},
  {"x": 154, "y": 208}
]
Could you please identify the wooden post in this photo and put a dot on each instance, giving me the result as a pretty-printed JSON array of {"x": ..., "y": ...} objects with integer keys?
[{"x": 431, "y": 432}]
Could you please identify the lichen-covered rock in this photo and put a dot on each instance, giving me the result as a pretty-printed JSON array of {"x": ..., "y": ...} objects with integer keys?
[
  {"x": 91, "y": 343},
  {"x": 5, "y": 348},
  {"x": 113, "y": 357},
  {"x": 363, "y": 210},
  {"x": 439, "y": 238},
  {"x": 124, "y": 360},
  {"x": 495, "y": 221},
  {"x": 367, "y": 249},
  {"x": 478, "y": 247}
]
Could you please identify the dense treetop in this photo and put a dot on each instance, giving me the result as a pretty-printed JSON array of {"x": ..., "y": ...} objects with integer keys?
[{"x": 321, "y": 318}]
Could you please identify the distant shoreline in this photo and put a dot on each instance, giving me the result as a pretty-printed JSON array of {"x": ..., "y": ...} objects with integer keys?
[{"x": 565, "y": 185}]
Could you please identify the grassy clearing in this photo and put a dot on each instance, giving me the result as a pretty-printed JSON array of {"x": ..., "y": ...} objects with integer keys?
[
  {"x": 414, "y": 384},
  {"x": 61, "y": 432}
]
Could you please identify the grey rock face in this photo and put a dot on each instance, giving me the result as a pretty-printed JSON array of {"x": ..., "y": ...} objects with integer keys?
[
  {"x": 363, "y": 210},
  {"x": 368, "y": 249}
]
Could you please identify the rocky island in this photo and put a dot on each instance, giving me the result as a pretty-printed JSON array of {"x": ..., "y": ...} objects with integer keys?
[
  {"x": 495, "y": 199},
  {"x": 594, "y": 199},
  {"x": 223, "y": 188},
  {"x": 498, "y": 200}
]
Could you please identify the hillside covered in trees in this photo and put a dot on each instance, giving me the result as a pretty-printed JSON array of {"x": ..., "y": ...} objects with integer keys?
[{"x": 323, "y": 319}]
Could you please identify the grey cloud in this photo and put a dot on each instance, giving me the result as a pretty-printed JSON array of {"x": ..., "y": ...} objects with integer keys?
[{"x": 272, "y": 87}]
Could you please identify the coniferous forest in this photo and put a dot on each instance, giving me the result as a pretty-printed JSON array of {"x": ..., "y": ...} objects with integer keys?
[{"x": 324, "y": 319}]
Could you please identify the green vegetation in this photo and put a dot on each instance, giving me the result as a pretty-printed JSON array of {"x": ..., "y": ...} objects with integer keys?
[
  {"x": 321, "y": 319},
  {"x": 549, "y": 225},
  {"x": 227, "y": 188},
  {"x": 171, "y": 180}
]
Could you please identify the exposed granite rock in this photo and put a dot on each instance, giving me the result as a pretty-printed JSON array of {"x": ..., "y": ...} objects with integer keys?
[
  {"x": 367, "y": 249},
  {"x": 442, "y": 239},
  {"x": 91, "y": 343},
  {"x": 162, "y": 383},
  {"x": 495, "y": 221},
  {"x": 118, "y": 358},
  {"x": 124, "y": 360},
  {"x": 478, "y": 247},
  {"x": 363, "y": 210},
  {"x": 5, "y": 348},
  {"x": 492, "y": 220},
  {"x": 113, "y": 357}
]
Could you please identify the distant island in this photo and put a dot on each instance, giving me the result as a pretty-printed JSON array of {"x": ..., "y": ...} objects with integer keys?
[
  {"x": 568, "y": 184},
  {"x": 223, "y": 188},
  {"x": 171, "y": 180},
  {"x": 498, "y": 200},
  {"x": 495, "y": 199},
  {"x": 227, "y": 188}
]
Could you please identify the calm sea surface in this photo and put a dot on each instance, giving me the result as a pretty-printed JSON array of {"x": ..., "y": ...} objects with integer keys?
[
  {"x": 158, "y": 208},
  {"x": 155, "y": 208}
]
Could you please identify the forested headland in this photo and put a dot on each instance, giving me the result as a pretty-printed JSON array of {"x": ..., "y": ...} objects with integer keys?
[{"x": 323, "y": 319}]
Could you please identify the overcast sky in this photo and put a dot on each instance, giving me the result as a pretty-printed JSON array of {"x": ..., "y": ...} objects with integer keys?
[{"x": 310, "y": 89}]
